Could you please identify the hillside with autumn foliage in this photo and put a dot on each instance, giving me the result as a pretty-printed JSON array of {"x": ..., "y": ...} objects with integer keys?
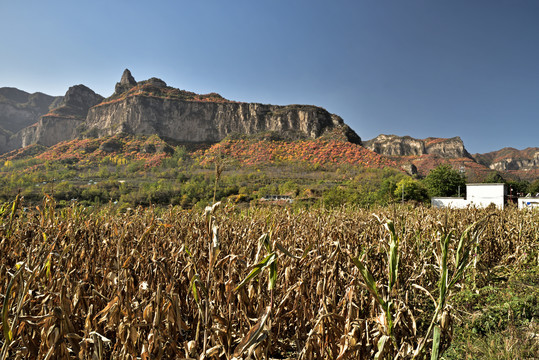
[
  {"x": 132, "y": 170},
  {"x": 314, "y": 152},
  {"x": 143, "y": 170},
  {"x": 153, "y": 150}
]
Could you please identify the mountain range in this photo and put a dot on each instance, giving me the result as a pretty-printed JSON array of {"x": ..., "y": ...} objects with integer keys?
[{"x": 151, "y": 107}]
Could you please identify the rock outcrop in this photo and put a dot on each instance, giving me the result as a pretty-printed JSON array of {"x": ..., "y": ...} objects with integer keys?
[
  {"x": 126, "y": 83},
  {"x": 410, "y": 169},
  {"x": 189, "y": 121},
  {"x": 151, "y": 107},
  {"x": 509, "y": 159},
  {"x": 63, "y": 122},
  {"x": 393, "y": 145},
  {"x": 18, "y": 110}
]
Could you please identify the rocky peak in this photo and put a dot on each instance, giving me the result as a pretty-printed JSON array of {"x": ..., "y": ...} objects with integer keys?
[
  {"x": 510, "y": 159},
  {"x": 76, "y": 102},
  {"x": 126, "y": 82},
  {"x": 62, "y": 122},
  {"x": 394, "y": 145},
  {"x": 158, "y": 83},
  {"x": 82, "y": 97},
  {"x": 127, "y": 78}
]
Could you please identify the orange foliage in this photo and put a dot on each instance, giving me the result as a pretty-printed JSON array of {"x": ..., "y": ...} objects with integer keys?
[
  {"x": 87, "y": 150},
  {"x": 321, "y": 152}
]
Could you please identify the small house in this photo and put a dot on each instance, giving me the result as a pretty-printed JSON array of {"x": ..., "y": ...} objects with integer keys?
[
  {"x": 277, "y": 199},
  {"x": 528, "y": 202},
  {"x": 477, "y": 195}
]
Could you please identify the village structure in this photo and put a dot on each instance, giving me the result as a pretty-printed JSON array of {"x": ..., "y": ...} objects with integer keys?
[{"x": 483, "y": 195}]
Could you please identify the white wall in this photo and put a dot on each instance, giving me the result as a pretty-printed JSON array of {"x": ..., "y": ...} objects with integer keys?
[
  {"x": 455, "y": 203},
  {"x": 482, "y": 195},
  {"x": 477, "y": 195}
]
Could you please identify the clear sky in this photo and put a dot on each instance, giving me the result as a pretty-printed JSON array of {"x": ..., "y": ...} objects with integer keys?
[{"x": 467, "y": 68}]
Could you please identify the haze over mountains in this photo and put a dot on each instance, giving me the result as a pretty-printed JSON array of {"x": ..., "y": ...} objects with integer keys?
[{"x": 151, "y": 107}]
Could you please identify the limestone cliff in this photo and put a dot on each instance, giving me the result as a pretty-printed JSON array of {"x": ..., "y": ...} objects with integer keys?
[
  {"x": 191, "y": 121},
  {"x": 63, "y": 122},
  {"x": 509, "y": 159},
  {"x": 19, "y": 109},
  {"x": 152, "y": 107},
  {"x": 393, "y": 145}
]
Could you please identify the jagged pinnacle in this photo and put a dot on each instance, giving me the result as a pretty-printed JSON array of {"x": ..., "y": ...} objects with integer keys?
[
  {"x": 126, "y": 82},
  {"x": 127, "y": 78}
]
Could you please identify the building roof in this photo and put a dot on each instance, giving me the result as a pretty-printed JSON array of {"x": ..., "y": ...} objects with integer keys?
[
  {"x": 484, "y": 184},
  {"x": 448, "y": 197}
]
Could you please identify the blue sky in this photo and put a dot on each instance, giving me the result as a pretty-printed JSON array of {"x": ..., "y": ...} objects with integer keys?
[{"x": 467, "y": 68}]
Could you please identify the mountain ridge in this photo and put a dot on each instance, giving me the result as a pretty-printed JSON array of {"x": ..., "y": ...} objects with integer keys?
[
  {"x": 151, "y": 107},
  {"x": 421, "y": 155},
  {"x": 394, "y": 145}
]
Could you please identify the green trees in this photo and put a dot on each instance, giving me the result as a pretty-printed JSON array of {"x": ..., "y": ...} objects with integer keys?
[
  {"x": 412, "y": 189},
  {"x": 518, "y": 186},
  {"x": 444, "y": 181},
  {"x": 534, "y": 187},
  {"x": 494, "y": 177}
]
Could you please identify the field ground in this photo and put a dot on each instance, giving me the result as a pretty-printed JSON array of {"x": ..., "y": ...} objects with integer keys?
[{"x": 340, "y": 283}]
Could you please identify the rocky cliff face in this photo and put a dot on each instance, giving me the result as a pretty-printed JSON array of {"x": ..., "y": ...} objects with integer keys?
[
  {"x": 19, "y": 109},
  {"x": 151, "y": 107},
  {"x": 508, "y": 159},
  {"x": 393, "y": 145},
  {"x": 63, "y": 122},
  {"x": 191, "y": 121},
  {"x": 8, "y": 141}
]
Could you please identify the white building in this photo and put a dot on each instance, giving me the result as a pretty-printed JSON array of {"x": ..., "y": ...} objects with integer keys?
[
  {"x": 452, "y": 202},
  {"x": 477, "y": 195},
  {"x": 528, "y": 202},
  {"x": 482, "y": 195}
]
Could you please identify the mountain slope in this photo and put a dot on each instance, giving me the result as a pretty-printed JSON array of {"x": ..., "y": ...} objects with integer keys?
[
  {"x": 63, "y": 122},
  {"x": 321, "y": 151},
  {"x": 18, "y": 110},
  {"x": 510, "y": 159},
  {"x": 522, "y": 164}
]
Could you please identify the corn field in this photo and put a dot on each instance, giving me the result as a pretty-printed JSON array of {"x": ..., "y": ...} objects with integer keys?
[{"x": 261, "y": 283}]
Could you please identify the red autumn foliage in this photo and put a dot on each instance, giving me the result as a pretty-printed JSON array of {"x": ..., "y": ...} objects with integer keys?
[
  {"x": 321, "y": 152},
  {"x": 88, "y": 150}
]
